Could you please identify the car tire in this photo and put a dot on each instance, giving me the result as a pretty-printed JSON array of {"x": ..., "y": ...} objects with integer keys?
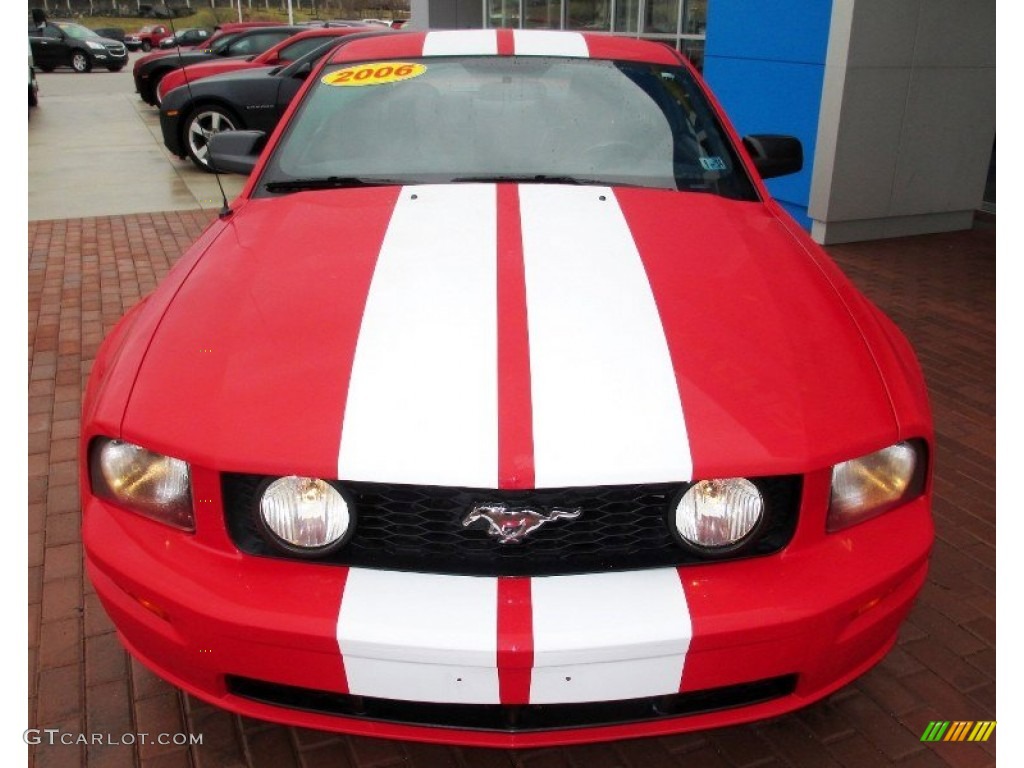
[
  {"x": 80, "y": 61},
  {"x": 146, "y": 46},
  {"x": 202, "y": 123}
]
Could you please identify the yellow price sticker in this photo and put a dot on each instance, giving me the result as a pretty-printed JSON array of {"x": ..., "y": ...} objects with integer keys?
[{"x": 378, "y": 73}]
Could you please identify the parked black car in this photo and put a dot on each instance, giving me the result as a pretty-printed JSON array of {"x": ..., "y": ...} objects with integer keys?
[
  {"x": 187, "y": 38},
  {"x": 111, "y": 33},
  {"x": 33, "y": 86},
  {"x": 65, "y": 44},
  {"x": 252, "y": 99},
  {"x": 249, "y": 42}
]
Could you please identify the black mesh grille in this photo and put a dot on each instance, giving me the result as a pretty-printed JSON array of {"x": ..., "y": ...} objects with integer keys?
[
  {"x": 419, "y": 528},
  {"x": 514, "y": 719}
]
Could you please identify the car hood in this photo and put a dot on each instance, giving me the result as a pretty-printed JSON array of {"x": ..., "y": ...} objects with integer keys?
[
  {"x": 253, "y": 72},
  {"x": 509, "y": 336},
  {"x": 178, "y": 58},
  {"x": 215, "y": 67},
  {"x": 202, "y": 70}
]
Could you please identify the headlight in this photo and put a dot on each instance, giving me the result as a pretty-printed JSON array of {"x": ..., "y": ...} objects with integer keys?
[
  {"x": 870, "y": 485},
  {"x": 305, "y": 515},
  {"x": 145, "y": 482},
  {"x": 95, "y": 46},
  {"x": 718, "y": 514}
]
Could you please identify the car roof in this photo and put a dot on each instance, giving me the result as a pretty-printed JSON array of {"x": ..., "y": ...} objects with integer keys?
[
  {"x": 335, "y": 23},
  {"x": 248, "y": 32},
  {"x": 506, "y": 42},
  {"x": 232, "y": 26},
  {"x": 324, "y": 32}
]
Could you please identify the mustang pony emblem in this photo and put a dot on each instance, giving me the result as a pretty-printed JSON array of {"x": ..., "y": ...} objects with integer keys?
[{"x": 510, "y": 526}]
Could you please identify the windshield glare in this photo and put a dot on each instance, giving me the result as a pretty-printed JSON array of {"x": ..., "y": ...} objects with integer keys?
[
  {"x": 77, "y": 32},
  {"x": 466, "y": 119}
]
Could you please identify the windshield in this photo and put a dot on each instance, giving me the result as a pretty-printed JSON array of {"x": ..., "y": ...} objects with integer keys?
[
  {"x": 549, "y": 120},
  {"x": 223, "y": 42},
  {"x": 77, "y": 32}
]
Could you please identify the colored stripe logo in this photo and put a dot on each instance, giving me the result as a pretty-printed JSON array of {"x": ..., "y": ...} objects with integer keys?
[{"x": 958, "y": 730}]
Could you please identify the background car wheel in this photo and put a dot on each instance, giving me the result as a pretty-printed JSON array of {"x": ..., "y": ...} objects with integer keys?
[
  {"x": 146, "y": 47},
  {"x": 201, "y": 125},
  {"x": 80, "y": 62}
]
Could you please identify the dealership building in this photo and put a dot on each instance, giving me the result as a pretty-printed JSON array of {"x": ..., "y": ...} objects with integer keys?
[{"x": 893, "y": 100}]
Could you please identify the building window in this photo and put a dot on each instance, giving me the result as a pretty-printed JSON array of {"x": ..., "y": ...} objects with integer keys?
[
  {"x": 626, "y": 15},
  {"x": 589, "y": 15},
  {"x": 502, "y": 14},
  {"x": 542, "y": 14},
  {"x": 662, "y": 17},
  {"x": 680, "y": 23}
]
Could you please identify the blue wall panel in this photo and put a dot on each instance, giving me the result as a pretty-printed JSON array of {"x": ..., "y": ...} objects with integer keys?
[{"x": 765, "y": 61}]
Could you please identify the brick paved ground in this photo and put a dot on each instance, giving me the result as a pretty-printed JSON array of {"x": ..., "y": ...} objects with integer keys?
[{"x": 84, "y": 273}]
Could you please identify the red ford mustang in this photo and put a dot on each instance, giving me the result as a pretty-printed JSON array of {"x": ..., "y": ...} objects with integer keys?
[{"x": 506, "y": 408}]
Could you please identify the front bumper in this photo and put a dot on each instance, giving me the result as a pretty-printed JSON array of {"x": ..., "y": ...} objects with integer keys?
[
  {"x": 169, "y": 129},
  {"x": 366, "y": 652},
  {"x": 110, "y": 58}
]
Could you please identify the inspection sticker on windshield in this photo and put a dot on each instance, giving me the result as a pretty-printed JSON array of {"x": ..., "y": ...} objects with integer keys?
[
  {"x": 712, "y": 163},
  {"x": 378, "y": 73}
]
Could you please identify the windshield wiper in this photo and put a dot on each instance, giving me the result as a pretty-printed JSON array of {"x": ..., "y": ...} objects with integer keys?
[
  {"x": 525, "y": 178},
  {"x": 328, "y": 182},
  {"x": 540, "y": 178}
]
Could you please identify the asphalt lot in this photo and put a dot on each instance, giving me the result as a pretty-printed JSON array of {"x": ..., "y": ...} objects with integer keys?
[
  {"x": 110, "y": 212},
  {"x": 94, "y": 148}
]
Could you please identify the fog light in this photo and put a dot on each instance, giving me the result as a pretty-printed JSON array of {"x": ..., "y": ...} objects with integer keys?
[
  {"x": 718, "y": 514},
  {"x": 305, "y": 515}
]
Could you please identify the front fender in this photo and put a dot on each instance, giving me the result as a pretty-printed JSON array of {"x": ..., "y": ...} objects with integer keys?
[{"x": 120, "y": 355}]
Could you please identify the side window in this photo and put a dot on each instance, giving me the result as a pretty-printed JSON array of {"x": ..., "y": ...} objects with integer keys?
[
  {"x": 301, "y": 48},
  {"x": 261, "y": 42},
  {"x": 240, "y": 47},
  {"x": 52, "y": 32}
]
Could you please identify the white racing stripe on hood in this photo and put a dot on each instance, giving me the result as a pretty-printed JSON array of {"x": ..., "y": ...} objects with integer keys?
[
  {"x": 606, "y": 407},
  {"x": 481, "y": 42},
  {"x": 423, "y": 398}
]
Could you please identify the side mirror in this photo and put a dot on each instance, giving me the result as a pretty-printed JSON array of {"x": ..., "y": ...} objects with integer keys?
[
  {"x": 303, "y": 71},
  {"x": 775, "y": 155},
  {"x": 236, "y": 151}
]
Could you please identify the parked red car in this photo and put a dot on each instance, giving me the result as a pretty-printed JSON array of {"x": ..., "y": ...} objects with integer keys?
[
  {"x": 505, "y": 407},
  {"x": 230, "y": 41},
  {"x": 147, "y": 38},
  {"x": 283, "y": 53}
]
